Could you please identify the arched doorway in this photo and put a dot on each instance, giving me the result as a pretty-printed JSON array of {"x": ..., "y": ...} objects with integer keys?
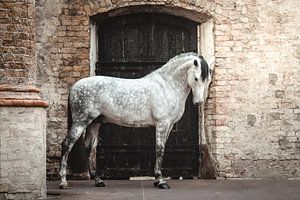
[{"x": 131, "y": 46}]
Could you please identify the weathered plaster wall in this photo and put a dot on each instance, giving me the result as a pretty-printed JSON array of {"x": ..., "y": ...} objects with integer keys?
[
  {"x": 22, "y": 152},
  {"x": 252, "y": 115}
]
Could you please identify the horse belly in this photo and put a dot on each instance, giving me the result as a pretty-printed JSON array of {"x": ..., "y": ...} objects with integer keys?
[
  {"x": 125, "y": 102},
  {"x": 130, "y": 118},
  {"x": 128, "y": 112}
]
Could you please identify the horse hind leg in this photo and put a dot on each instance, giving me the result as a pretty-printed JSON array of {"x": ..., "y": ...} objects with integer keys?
[
  {"x": 73, "y": 135},
  {"x": 90, "y": 145}
]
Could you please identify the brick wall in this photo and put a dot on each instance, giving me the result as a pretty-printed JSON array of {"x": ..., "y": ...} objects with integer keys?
[
  {"x": 256, "y": 89},
  {"x": 17, "y": 45},
  {"x": 63, "y": 58},
  {"x": 252, "y": 115}
]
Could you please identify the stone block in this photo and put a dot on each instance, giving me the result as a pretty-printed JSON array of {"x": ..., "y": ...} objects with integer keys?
[{"x": 25, "y": 150}]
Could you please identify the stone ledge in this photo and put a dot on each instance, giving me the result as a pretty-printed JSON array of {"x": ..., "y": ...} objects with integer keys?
[
  {"x": 23, "y": 103},
  {"x": 21, "y": 96},
  {"x": 19, "y": 88}
]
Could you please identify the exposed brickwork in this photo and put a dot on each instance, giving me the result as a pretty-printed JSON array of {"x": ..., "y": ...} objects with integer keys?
[
  {"x": 255, "y": 92},
  {"x": 252, "y": 115},
  {"x": 17, "y": 42}
]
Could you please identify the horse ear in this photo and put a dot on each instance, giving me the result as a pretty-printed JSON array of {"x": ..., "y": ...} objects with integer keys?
[
  {"x": 196, "y": 63},
  {"x": 205, "y": 69}
]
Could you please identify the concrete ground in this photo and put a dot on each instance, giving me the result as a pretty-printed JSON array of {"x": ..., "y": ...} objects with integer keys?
[{"x": 180, "y": 190}]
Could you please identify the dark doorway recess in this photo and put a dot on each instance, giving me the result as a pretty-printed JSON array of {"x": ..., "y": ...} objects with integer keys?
[{"x": 132, "y": 46}]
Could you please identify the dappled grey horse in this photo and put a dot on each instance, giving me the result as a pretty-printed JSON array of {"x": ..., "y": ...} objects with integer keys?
[{"x": 158, "y": 99}]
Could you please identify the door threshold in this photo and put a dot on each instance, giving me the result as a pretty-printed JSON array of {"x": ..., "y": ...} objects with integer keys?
[{"x": 142, "y": 178}]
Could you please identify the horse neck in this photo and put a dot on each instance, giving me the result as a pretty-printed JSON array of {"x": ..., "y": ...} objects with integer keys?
[{"x": 177, "y": 77}]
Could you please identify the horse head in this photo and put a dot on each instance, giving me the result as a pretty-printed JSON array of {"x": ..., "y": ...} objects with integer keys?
[{"x": 199, "y": 77}]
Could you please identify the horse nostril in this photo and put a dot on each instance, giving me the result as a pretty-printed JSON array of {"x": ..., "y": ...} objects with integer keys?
[{"x": 197, "y": 104}]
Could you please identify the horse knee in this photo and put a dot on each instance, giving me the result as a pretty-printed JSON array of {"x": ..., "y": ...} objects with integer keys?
[
  {"x": 160, "y": 153},
  {"x": 70, "y": 140},
  {"x": 160, "y": 150},
  {"x": 65, "y": 145}
]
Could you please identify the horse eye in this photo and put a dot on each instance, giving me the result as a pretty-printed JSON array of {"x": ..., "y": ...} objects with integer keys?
[{"x": 196, "y": 79}]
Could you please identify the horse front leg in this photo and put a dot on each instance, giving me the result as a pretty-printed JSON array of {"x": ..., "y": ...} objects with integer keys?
[
  {"x": 162, "y": 133},
  {"x": 67, "y": 145}
]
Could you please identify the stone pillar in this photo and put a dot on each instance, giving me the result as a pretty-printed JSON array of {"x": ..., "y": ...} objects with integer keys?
[
  {"x": 22, "y": 110},
  {"x": 22, "y": 152}
]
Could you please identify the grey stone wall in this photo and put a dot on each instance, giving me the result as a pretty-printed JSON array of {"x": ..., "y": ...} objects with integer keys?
[{"x": 22, "y": 152}]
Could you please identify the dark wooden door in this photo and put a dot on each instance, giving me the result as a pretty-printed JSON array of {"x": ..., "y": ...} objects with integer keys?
[{"x": 132, "y": 46}]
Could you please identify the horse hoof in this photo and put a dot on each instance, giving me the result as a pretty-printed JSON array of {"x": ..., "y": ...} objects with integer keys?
[
  {"x": 100, "y": 184},
  {"x": 155, "y": 184},
  {"x": 64, "y": 186},
  {"x": 163, "y": 186}
]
